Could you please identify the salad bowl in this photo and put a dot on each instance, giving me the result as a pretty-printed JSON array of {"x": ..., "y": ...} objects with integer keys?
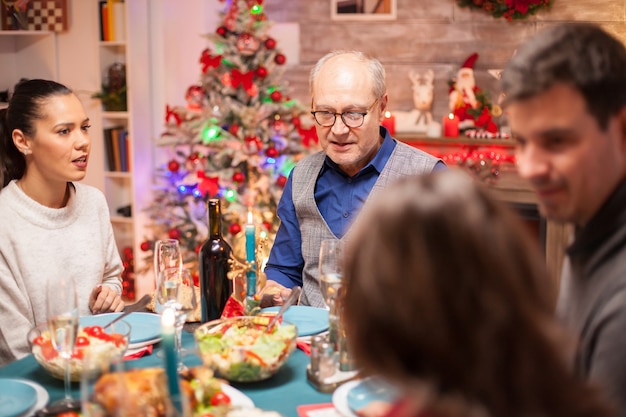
[{"x": 239, "y": 349}]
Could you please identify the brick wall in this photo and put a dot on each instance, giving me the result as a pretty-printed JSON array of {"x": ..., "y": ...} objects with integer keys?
[{"x": 434, "y": 34}]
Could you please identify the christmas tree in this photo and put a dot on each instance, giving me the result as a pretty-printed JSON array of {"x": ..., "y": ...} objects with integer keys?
[{"x": 237, "y": 138}]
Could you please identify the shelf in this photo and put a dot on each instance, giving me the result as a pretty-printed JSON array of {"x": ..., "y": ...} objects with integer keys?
[
  {"x": 25, "y": 32},
  {"x": 112, "y": 43},
  {"x": 115, "y": 115}
]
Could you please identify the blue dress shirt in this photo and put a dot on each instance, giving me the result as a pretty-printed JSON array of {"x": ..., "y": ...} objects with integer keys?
[{"x": 339, "y": 199}]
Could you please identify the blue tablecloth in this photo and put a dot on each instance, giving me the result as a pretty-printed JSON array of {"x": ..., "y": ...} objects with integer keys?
[{"x": 283, "y": 392}]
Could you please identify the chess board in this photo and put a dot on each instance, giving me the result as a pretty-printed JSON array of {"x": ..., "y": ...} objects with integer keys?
[{"x": 45, "y": 15}]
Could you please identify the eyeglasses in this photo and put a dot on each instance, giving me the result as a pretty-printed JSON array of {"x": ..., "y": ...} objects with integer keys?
[{"x": 352, "y": 119}]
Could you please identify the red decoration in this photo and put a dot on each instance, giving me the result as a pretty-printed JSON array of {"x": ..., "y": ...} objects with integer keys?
[
  {"x": 233, "y": 129},
  {"x": 234, "y": 228},
  {"x": 308, "y": 135},
  {"x": 270, "y": 43},
  {"x": 280, "y": 59},
  {"x": 128, "y": 253},
  {"x": 239, "y": 177},
  {"x": 174, "y": 233},
  {"x": 451, "y": 126},
  {"x": 194, "y": 97},
  {"x": 271, "y": 152},
  {"x": 296, "y": 121},
  {"x": 281, "y": 181},
  {"x": 145, "y": 246},
  {"x": 244, "y": 79},
  {"x": 171, "y": 112},
  {"x": 208, "y": 186},
  {"x": 261, "y": 72},
  {"x": 222, "y": 31},
  {"x": 193, "y": 157},
  {"x": 267, "y": 225},
  {"x": 173, "y": 166},
  {"x": 195, "y": 276},
  {"x": 276, "y": 96},
  {"x": 253, "y": 144},
  {"x": 209, "y": 61},
  {"x": 247, "y": 44}
]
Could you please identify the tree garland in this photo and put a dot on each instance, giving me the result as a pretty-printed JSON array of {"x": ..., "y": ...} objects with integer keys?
[{"x": 508, "y": 9}]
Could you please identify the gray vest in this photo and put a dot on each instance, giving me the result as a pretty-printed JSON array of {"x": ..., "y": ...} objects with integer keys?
[{"x": 404, "y": 161}]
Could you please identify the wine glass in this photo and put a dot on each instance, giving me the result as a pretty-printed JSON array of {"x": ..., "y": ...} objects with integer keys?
[
  {"x": 167, "y": 254},
  {"x": 175, "y": 289},
  {"x": 330, "y": 273},
  {"x": 62, "y": 309}
]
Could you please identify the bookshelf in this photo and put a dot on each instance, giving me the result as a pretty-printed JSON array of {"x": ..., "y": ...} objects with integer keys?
[{"x": 124, "y": 134}]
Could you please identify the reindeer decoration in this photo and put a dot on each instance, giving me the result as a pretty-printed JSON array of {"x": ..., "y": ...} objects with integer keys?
[{"x": 420, "y": 119}]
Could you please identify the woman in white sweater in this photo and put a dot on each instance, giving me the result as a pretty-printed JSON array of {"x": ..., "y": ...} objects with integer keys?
[{"x": 50, "y": 225}]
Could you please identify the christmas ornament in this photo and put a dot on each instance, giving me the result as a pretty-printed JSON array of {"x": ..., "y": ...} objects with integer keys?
[
  {"x": 174, "y": 234},
  {"x": 195, "y": 97},
  {"x": 209, "y": 61},
  {"x": 276, "y": 96},
  {"x": 244, "y": 79},
  {"x": 171, "y": 112},
  {"x": 280, "y": 59},
  {"x": 509, "y": 9},
  {"x": 173, "y": 165},
  {"x": 271, "y": 152},
  {"x": 247, "y": 44},
  {"x": 281, "y": 181},
  {"x": 270, "y": 43},
  {"x": 222, "y": 31},
  {"x": 234, "y": 229},
  {"x": 261, "y": 72},
  {"x": 145, "y": 246},
  {"x": 239, "y": 177}
]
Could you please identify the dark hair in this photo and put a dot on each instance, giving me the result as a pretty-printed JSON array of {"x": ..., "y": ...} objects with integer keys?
[
  {"x": 443, "y": 284},
  {"x": 24, "y": 108},
  {"x": 579, "y": 54}
]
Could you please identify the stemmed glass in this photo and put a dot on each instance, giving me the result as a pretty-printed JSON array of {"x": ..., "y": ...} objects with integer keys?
[
  {"x": 62, "y": 309},
  {"x": 330, "y": 274},
  {"x": 175, "y": 289},
  {"x": 167, "y": 254}
]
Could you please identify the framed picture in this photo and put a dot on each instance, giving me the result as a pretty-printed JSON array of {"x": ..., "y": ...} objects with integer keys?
[
  {"x": 363, "y": 9},
  {"x": 38, "y": 15}
]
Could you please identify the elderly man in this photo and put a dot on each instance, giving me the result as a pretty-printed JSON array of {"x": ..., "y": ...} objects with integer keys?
[
  {"x": 566, "y": 100},
  {"x": 326, "y": 191}
]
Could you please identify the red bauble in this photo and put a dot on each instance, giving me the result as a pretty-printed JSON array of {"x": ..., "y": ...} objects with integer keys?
[
  {"x": 239, "y": 177},
  {"x": 145, "y": 246},
  {"x": 128, "y": 253},
  {"x": 281, "y": 181},
  {"x": 267, "y": 225},
  {"x": 271, "y": 153},
  {"x": 247, "y": 44},
  {"x": 261, "y": 72},
  {"x": 194, "y": 157},
  {"x": 174, "y": 234},
  {"x": 270, "y": 43},
  {"x": 233, "y": 129},
  {"x": 173, "y": 165},
  {"x": 196, "y": 279},
  {"x": 280, "y": 59},
  {"x": 276, "y": 96},
  {"x": 221, "y": 31},
  {"x": 234, "y": 228},
  {"x": 296, "y": 121}
]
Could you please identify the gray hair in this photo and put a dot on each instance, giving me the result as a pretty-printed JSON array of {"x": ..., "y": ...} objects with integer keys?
[
  {"x": 581, "y": 55},
  {"x": 376, "y": 69}
]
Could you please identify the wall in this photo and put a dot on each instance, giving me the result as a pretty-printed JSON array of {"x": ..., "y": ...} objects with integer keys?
[{"x": 433, "y": 34}]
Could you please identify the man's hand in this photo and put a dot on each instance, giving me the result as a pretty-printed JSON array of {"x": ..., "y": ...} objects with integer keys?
[
  {"x": 274, "y": 294},
  {"x": 105, "y": 300}
]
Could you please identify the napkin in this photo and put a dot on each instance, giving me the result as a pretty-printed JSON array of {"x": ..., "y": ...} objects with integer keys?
[{"x": 138, "y": 353}]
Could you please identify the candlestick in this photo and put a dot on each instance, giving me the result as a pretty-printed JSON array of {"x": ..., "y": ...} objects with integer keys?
[
  {"x": 451, "y": 126},
  {"x": 168, "y": 318},
  {"x": 389, "y": 122},
  {"x": 251, "y": 256}
]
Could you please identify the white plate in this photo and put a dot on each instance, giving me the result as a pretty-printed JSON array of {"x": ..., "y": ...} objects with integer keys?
[
  {"x": 42, "y": 398},
  {"x": 340, "y": 398},
  {"x": 308, "y": 320},
  {"x": 237, "y": 398},
  {"x": 16, "y": 397}
]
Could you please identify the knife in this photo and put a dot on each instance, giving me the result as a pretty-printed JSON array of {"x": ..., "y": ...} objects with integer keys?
[{"x": 139, "y": 305}]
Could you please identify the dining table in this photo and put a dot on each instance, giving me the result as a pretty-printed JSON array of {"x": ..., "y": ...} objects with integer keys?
[{"x": 283, "y": 392}]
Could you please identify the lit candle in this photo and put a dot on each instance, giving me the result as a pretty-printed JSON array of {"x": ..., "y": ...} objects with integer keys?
[
  {"x": 451, "y": 126},
  {"x": 390, "y": 122},
  {"x": 168, "y": 317},
  {"x": 251, "y": 255}
]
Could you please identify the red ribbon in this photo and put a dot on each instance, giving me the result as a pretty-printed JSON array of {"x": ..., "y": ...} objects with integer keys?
[
  {"x": 209, "y": 61},
  {"x": 244, "y": 79},
  {"x": 208, "y": 186},
  {"x": 308, "y": 135},
  {"x": 171, "y": 112}
]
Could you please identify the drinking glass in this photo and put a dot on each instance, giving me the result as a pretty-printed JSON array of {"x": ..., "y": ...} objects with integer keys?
[
  {"x": 167, "y": 254},
  {"x": 175, "y": 289},
  {"x": 62, "y": 310},
  {"x": 330, "y": 274}
]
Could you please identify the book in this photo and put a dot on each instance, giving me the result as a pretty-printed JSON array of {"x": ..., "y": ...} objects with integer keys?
[
  {"x": 119, "y": 21},
  {"x": 123, "y": 147},
  {"x": 105, "y": 35},
  {"x": 115, "y": 135}
]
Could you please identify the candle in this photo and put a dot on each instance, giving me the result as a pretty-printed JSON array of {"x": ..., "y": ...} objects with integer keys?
[
  {"x": 390, "y": 122},
  {"x": 251, "y": 255},
  {"x": 168, "y": 317},
  {"x": 451, "y": 126}
]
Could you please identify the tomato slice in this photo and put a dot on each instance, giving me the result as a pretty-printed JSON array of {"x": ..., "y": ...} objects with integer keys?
[
  {"x": 38, "y": 340},
  {"x": 82, "y": 341},
  {"x": 68, "y": 414},
  {"x": 48, "y": 351},
  {"x": 220, "y": 399},
  {"x": 95, "y": 331}
]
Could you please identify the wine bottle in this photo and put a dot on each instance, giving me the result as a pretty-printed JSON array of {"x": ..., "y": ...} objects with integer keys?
[{"x": 215, "y": 287}]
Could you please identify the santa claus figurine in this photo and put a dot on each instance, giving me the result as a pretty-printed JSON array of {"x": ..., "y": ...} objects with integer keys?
[{"x": 467, "y": 101}]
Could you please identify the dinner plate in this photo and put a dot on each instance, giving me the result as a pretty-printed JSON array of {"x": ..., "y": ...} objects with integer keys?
[
  {"x": 145, "y": 328},
  {"x": 354, "y": 395},
  {"x": 308, "y": 320},
  {"x": 16, "y": 397},
  {"x": 42, "y": 398},
  {"x": 237, "y": 398}
]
